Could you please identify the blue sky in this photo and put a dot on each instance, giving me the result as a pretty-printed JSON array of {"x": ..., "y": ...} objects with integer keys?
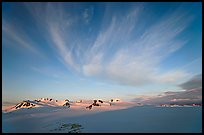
[{"x": 99, "y": 50}]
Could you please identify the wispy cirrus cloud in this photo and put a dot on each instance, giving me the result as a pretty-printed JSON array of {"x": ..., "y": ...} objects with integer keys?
[
  {"x": 55, "y": 22},
  {"x": 121, "y": 51},
  {"x": 17, "y": 37},
  {"x": 135, "y": 60}
]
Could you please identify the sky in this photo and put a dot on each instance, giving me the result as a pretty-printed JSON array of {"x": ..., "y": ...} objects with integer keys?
[{"x": 132, "y": 51}]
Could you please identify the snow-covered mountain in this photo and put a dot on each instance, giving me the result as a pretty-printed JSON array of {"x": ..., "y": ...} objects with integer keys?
[
  {"x": 80, "y": 104},
  {"x": 24, "y": 104},
  {"x": 42, "y": 102}
]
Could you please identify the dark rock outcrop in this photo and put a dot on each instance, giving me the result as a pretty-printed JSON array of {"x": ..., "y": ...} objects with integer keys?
[{"x": 94, "y": 104}]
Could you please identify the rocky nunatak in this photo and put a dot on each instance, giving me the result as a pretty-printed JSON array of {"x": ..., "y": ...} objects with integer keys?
[
  {"x": 67, "y": 103},
  {"x": 95, "y": 103}
]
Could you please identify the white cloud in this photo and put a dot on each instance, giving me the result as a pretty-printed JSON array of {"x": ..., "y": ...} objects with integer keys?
[
  {"x": 120, "y": 52},
  {"x": 92, "y": 69},
  {"x": 136, "y": 61},
  {"x": 61, "y": 46}
]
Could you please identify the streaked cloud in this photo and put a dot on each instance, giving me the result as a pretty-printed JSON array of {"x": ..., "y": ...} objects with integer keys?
[
  {"x": 138, "y": 50},
  {"x": 142, "y": 54},
  {"x": 120, "y": 51},
  {"x": 195, "y": 82},
  {"x": 17, "y": 37},
  {"x": 192, "y": 93}
]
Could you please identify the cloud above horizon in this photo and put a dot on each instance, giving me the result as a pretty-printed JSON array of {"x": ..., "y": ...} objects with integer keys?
[
  {"x": 122, "y": 49},
  {"x": 192, "y": 93},
  {"x": 136, "y": 60}
]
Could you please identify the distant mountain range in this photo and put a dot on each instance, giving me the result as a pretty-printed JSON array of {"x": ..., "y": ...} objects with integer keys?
[{"x": 84, "y": 104}]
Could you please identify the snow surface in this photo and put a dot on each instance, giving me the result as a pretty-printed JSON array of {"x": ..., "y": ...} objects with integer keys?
[{"x": 138, "y": 119}]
